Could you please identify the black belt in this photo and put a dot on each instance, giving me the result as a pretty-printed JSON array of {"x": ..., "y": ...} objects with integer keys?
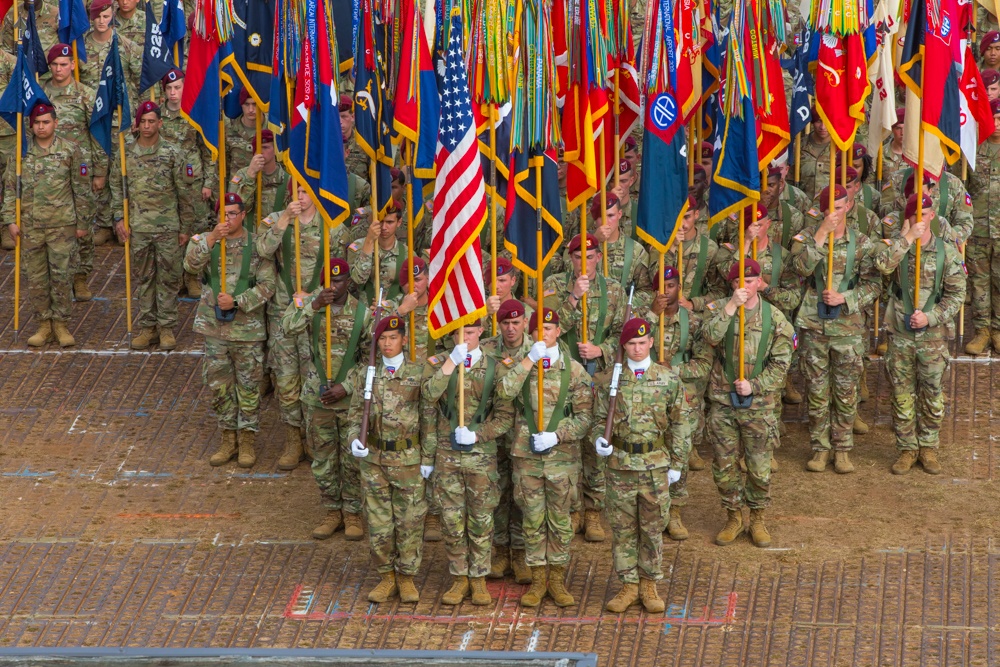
[
  {"x": 399, "y": 445},
  {"x": 635, "y": 447}
]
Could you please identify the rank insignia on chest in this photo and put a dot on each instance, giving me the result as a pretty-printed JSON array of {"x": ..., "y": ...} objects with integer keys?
[
  {"x": 83, "y": 169},
  {"x": 190, "y": 171},
  {"x": 546, "y": 363}
]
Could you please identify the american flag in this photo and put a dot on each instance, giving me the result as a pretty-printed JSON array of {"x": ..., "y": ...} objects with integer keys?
[{"x": 456, "y": 289}]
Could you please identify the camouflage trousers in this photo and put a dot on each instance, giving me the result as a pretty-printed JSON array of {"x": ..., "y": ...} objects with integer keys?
[
  {"x": 103, "y": 197},
  {"x": 594, "y": 481},
  {"x": 46, "y": 254},
  {"x": 333, "y": 466},
  {"x": 693, "y": 425},
  {"x": 916, "y": 372},
  {"x": 83, "y": 254},
  {"x": 982, "y": 258},
  {"x": 156, "y": 259},
  {"x": 283, "y": 354},
  {"x": 638, "y": 511},
  {"x": 232, "y": 372},
  {"x": 543, "y": 491},
  {"x": 466, "y": 487},
  {"x": 832, "y": 367},
  {"x": 395, "y": 507},
  {"x": 507, "y": 515},
  {"x": 752, "y": 433}
]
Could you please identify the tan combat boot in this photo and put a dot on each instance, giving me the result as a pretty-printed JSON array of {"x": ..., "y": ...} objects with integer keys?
[
  {"x": 732, "y": 529},
  {"x": 594, "y": 530},
  {"x": 293, "y": 453},
  {"x": 557, "y": 586},
  {"x": 353, "y": 530},
  {"x": 883, "y": 347},
  {"x": 995, "y": 339},
  {"x": 247, "y": 457},
  {"x": 167, "y": 340},
  {"x": 459, "y": 589},
  {"x": 6, "y": 240},
  {"x": 407, "y": 589},
  {"x": 385, "y": 589},
  {"x": 774, "y": 461},
  {"x": 860, "y": 427},
  {"x": 522, "y": 573},
  {"x": 432, "y": 528},
  {"x": 193, "y": 285},
  {"x": 758, "y": 531},
  {"x": 62, "y": 334},
  {"x": 533, "y": 596},
  {"x": 979, "y": 343},
  {"x": 928, "y": 459},
  {"x": 792, "y": 395},
  {"x": 331, "y": 524},
  {"x": 627, "y": 596},
  {"x": 695, "y": 462},
  {"x": 43, "y": 335},
  {"x": 651, "y": 600},
  {"x": 500, "y": 563},
  {"x": 146, "y": 337},
  {"x": 103, "y": 236},
  {"x": 576, "y": 522},
  {"x": 905, "y": 462},
  {"x": 863, "y": 385},
  {"x": 819, "y": 461},
  {"x": 675, "y": 528},
  {"x": 227, "y": 449},
  {"x": 80, "y": 290},
  {"x": 480, "y": 594},
  {"x": 842, "y": 463}
]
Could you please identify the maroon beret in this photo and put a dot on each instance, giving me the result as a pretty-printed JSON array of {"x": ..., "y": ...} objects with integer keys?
[
  {"x": 669, "y": 273},
  {"x": 911, "y": 205},
  {"x": 900, "y": 116},
  {"x": 707, "y": 149},
  {"x": 244, "y": 95},
  {"x": 852, "y": 174},
  {"x": 631, "y": 143},
  {"x": 40, "y": 109},
  {"x": 839, "y": 192},
  {"x": 394, "y": 206},
  {"x": 995, "y": 106},
  {"x": 59, "y": 51},
  {"x": 173, "y": 75},
  {"x": 266, "y": 137},
  {"x": 345, "y": 103},
  {"x": 576, "y": 242},
  {"x": 549, "y": 317},
  {"x": 98, "y": 6},
  {"x": 419, "y": 266},
  {"x": 692, "y": 203},
  {"x": 624, "y": 166},
  {"x": 990, "y": 77},
  {"x": 391, "y": 323},
  {"x": 908, "y": 186},
  {"x": 145, "y": 108},
  {"x": 751, "y": 269},
  {"x": 611, "y": 199},
  {"x": 634, "y": 328},
  {"x": 504, "y": 266},
  {"x": 699, "y": 168},
  {"x": 773, "y": 170},
  {"x": 761, "y": 214},
  {"x": 858, "y": 151},
  {"x": 510, "y": 309},
  {"x": 339, "y": 266},
  {"x": 989, "y": 39}
]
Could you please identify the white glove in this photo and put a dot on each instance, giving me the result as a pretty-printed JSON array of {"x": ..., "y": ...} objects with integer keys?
[
  {"x": 545, "y": 441},
  {"x": 425, "y": 471},
  {"x": 358, "y": 449},
  {"x": 464, "y": 436},
  {"x": 459, "y": 354},
  {"x": 673, "y": 476},
  {"x": 603, "y": 447},
  {"x": 537, "y": 351}
]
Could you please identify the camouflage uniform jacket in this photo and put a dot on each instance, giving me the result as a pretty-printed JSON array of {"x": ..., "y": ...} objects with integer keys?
[
  {"x": 296, "y": 321},
  {"x": 787, "y": 220},
  {"x": 274, "y": 191},
  {"x": 795, "y": 197},
  {"x": 7, "y": 63},
  {"x": 957, "y": 204},
  {"x": 55, "y": 187},
  {"x": 572, "y": 426},
  {"x": 948, "y": 301},
  {"x": 862, "y": 288},
  {"x": 647, "y": 412},
  {"x": 161, "y": 181},
  {"x": 269, "y": 244},
  {"x": 134, "y": 27},
  {"x": 46, "y": 20},
  {"x": 498, "y": 416},
  {"x": 766, "y": 387},
  {"x": 249, "y": 324},
  {"x": 356, "y": 160},
  {"x": 496, "y": 348},
  {"x": 786, "y": 291},
  {"x": 131, "y": 55},
  {"x": 814, "y": 173},
  {"x": 389, "y": 262},
  {"x": 711, "y": 285},
  {"x": 680, "y": 350},
  {"x": 396, "y": 412},
  {"x": 73, "y": 103},
  {"x": 178, "y": 131},
  {"x": 604, "y": 333},
  {"x": 984, "y": 187},
  {"x": 425, "y": 345},
  {"x": 239, "y": 145}
]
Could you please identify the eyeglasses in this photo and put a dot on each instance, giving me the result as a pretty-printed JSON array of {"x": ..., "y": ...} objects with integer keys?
[{"x": 233, "y": 214}]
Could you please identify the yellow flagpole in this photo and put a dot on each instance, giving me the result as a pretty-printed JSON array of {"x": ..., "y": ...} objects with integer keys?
[
  {"x": 493, "y": 214},
  {"x": 125, "y": 222},
  {"x": 76, "y": 62},
  {"x": 661, "y": 281},
  {"x": 329, "y": 314},
  {"x": 743, "y": 310},
  {"x": 375, "y": 216},
  {"x": 260, "y": 174},
  {"x": 831, "y": 199},
  {"x": 602, "y": 171},
  {"x": 539, "y": 257},
  {"x": 297, "y": 231},
  {"x": 409, "y": 251},
  {"x": 222, "y": 198},
  {"x": 19, "y": 146}
]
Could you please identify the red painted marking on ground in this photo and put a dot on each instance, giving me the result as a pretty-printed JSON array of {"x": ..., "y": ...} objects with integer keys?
[
  {"x": 290, "y": 607},
  {"x": 155, "y": 515}
]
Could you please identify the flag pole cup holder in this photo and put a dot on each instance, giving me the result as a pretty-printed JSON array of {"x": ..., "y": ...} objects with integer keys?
[{"x": 828, "y": 312}]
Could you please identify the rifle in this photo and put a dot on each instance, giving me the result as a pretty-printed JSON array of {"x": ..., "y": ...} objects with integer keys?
[
  {"x": 370, "y": 376},
  {"x": 616, "y": 375}
]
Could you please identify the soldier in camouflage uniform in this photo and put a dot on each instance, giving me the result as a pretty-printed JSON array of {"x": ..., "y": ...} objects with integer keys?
[
  {"x": 508, "y": 347},
  {"x": 832, "y": 346},
  {"x": 648, "y": 450},
  {"x": 983, "y": 251},
  {"x": 545, "y": 461},
  {"x": 130, "y": 21},
  {"x": 274, "y": 178},
  {"x": 326, "y": 398},
  {"x": 161, "y": 184},
  {"x": 46, "y": 22},
  {"x": 918, "y": 354},
  {"x": 751, "y": 430},
  {"x": 240, "y": 135},
  {"x": 606, "y": 302},
  {"x": 506, "y": 286},
  {"x": 814, "y": 172},
  {"x": 700, "y": 276},
  {"x": 390, "y": 457},
  {"x": 56, "y": 207},
  {"x": 234, "y": 350},
  {"x": 356, "y": 160},
  {"x": 892, "y": 150},
  {"x": 391, "y": 254},
  {"x": 463, "y": 451},
  {"x": 786, "y": 212},
  {"x": 73, "y": 102},
  {"x": 951, "y": 200},
  {"x": 628, "y": 261},
  {"x": 416, "y": 302},
  {"x": 277, "y": 241},
  {"x": 989, "y": 49},
  {"x": 627, "y": 204}
]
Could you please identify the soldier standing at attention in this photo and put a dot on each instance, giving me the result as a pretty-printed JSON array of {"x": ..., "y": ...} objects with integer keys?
[
  {"x": 506, "y": 286},
  {"x": 159, "y": 190},
  {"x": 240, "y": 135},
  {"x": 391, "y": 255},
  {"x": 46, "y": 20},
  {"x": 391, "y": 473},
  {"x": 56, "y": 209},
  {"x": 814, "y": 172},
  {"x": 627, "y": 260},
  {"x": 73, "y": 102},
  {"x": 648, "y": 450},
  {"x": 131, "y": 20},
  {"x": 701, "y": 281},
  {"x": 354, "y": 158},
  {"x": 326, "y": 399},
  {"x": 234, "y": 349},
  {"x": 546, "y": 462},
  {"x": 918, "y": 350},
  {"x": 274, "y": 178},
  {"x": 465, "y": 458},
  {"x": 508, "y": 347},
  {"x": 753, "y": 429},
  {"x": 284, "y": 351}
]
